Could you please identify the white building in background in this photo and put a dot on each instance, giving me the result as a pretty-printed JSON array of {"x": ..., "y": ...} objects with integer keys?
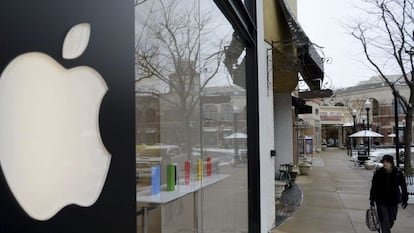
[{"x": 337, "y": 111}]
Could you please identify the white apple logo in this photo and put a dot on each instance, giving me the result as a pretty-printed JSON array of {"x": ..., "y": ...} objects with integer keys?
[{"x": 51, "y": 152}]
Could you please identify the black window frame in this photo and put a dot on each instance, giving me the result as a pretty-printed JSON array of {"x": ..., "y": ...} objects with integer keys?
[{"x": 242, "y": 16}]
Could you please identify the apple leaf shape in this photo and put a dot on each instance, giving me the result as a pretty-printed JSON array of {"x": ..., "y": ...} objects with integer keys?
[
  {"x": 76, "y": 41},
  {"x": 51, "y": 151}
]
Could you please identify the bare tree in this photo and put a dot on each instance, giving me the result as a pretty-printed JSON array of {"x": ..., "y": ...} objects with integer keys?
[
  {"x": 386, "y": 36},
  {"x": 168, "y": 55},
  {"x": 139, "y": 2}
]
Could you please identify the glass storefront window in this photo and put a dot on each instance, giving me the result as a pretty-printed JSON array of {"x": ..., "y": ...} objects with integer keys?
[{"x": 190, "y": 112}]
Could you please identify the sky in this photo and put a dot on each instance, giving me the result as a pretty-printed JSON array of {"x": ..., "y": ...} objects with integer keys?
[{"x": 323, "y": 22}]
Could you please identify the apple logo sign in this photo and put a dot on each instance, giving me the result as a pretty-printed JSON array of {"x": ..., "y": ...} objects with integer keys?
[{"x": 51, "y": 151}]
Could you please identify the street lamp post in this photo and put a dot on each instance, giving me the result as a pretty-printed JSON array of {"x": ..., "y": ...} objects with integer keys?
[
  {"x": 236, "y": 111},
  {"x": 367, "y": 105},
  {"x": 403, "y": 141},
  {"x": 354, "y": 113},
  {"x": 397, "y": 136}
]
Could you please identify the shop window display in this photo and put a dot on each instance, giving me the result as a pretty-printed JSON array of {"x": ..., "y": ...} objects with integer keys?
[{"x": 189, "y": 62}]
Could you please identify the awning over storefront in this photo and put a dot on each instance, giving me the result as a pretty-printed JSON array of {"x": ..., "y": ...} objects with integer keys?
[
  {"x": 315, "y": 94},
  {"x": 231, "y": 60},
  {"x": 310, "y": 64}
]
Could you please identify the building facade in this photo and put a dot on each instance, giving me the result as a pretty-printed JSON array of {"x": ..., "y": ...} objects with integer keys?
[
  {"x": 346, "y": 107},
  {"x": 197, "y": 117}
]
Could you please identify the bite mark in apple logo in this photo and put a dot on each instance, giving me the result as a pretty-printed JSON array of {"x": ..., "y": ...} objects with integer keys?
[{"x": 51, "y": 151}]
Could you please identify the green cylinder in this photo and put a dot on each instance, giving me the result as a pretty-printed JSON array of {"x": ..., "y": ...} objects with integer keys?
[{"x": 171, "y": 177}]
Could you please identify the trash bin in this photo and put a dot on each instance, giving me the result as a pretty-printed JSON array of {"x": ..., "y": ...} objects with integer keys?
[
  {"x": 362, "y": 156},
  {"x": 362, "y": 152}
]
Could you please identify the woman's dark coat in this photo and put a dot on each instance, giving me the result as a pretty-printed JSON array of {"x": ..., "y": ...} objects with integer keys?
[{"x": 385, "y": 187}]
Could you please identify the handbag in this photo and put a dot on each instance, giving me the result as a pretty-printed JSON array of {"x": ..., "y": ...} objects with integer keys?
[{"x": 371, "y": 219}]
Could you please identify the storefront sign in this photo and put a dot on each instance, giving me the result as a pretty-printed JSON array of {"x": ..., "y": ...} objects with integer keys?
[{"x": 302, "y": 125}]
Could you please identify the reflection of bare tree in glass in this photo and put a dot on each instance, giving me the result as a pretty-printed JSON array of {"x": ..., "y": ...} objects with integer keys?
[
  {"x": 387, "y": 42},
  {"x": 170, "y": 64},
  {"x": 139, "y": 2}
]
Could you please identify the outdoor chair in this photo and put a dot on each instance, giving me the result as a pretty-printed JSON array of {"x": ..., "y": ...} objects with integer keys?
[
  {"x": 410, "y": 186},
  {"x": 284, "y": 173}
]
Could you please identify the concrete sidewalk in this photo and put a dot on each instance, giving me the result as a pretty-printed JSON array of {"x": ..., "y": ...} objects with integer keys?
[{"x": 335, "y": 198}]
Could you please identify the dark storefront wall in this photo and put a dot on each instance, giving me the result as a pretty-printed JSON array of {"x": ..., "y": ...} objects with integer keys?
[
  {"x": 27, "y": 26},
  {"x": 331, "y": 134}
]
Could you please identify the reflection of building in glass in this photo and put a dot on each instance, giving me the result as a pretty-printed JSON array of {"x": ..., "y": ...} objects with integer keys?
[
  {"x": 185, "y": 99},
  {"x": 217, "y": 115},
  {"x": 218, "y": 106},
  {"x": 175, "y": 109}
]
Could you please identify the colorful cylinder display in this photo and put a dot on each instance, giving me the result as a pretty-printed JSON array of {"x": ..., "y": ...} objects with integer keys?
[
  {"x": 209, "y": 169},
  {"x": 187, "y": 172},
  {"x": 199, "y": 169},
  {"x": 171, "y": 169},
  {"x": 155, "y": 180}
]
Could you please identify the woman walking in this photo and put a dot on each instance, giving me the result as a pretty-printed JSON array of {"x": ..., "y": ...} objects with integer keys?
[{"x": 388, "y": 188}]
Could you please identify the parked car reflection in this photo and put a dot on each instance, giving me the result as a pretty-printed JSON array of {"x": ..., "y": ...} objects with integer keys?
[{"x": 151, "y": 155}]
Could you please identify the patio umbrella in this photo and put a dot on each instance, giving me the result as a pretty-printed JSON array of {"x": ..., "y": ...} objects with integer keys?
[
  {"x": 236, "y": 136},
  {"x": 348, "y": 124},
  {"x": 366, "y": 134},
  {"x": 391, "y": 135}
]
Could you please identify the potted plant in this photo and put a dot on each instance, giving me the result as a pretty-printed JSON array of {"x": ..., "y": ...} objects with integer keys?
[
  {"x": 369, "y": 165},
  {"x": 305, "y": 168},
  {"x": 279, "y": 188},
  {"x": 293, "y": 175}
]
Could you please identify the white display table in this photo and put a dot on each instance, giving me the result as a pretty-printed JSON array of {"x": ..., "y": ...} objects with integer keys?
[
  {"x": 181, "y": 190},
  {"x": 164, "y": 197}
]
